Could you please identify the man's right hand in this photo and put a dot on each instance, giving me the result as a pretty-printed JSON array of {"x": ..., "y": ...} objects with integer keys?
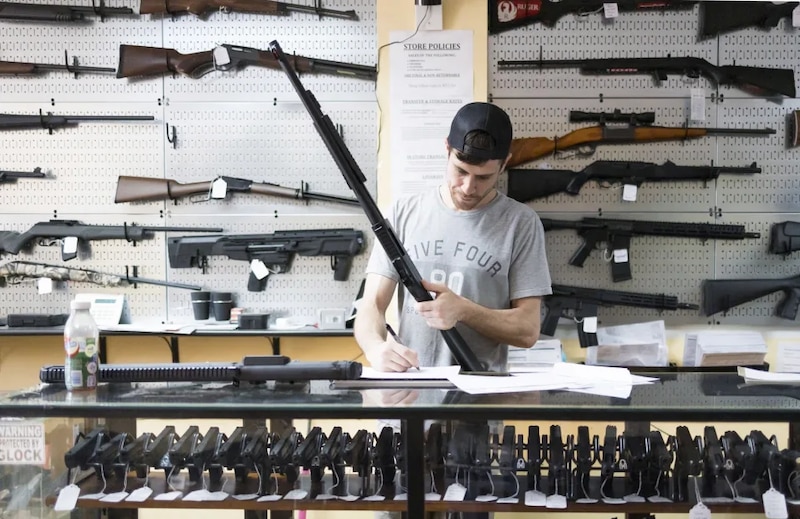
[{"x": 392, "y": 356}]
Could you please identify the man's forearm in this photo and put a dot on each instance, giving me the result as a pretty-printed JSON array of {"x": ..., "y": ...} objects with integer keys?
[
  {"x": 513, "y": 326},
  {"x": 369, "y": 328}
]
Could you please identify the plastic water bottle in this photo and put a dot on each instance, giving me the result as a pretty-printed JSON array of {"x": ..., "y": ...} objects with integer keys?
[{"x": 81, "y": 343}]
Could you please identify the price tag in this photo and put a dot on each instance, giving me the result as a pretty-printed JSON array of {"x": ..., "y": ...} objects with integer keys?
[
  {"x": 325, "y": 497},
  {"x": 140, "y": 494},
  {"x": 796, "y": 17},
  {"x": 348, "y": 497},
  {"x": 535, "y": 498},
  {"x": 297, "y": 493},
  {"x": 699, "y": 511},
  {"x": 620, "y": 255},
  {"x": 374, "y": 497},
  {"x": 401, "y": 497},
  {"x": 774, "y": 505},
  {"x": 221, "y": 57},
  {"x": 270, "y": 497},
  {"x": 219, "y": 188},
  {"x": 629, "y": 192},
  {"x": 610, "y": 10},
  {"x": 486, "y": 498},
  {"x": 67, "y": 498},
  {"x": 455, "y": 492},
  {"x": 590, "y": 324},
  {"x": 259, "y": 270},
  {"x": 244, "y": 497},
  {"x": 168, "y": 496},
  {"x": 557, "y": 500},
  {"x": 197, "y": 495},
  {"x": 114, "y": 497},
  {"x": 509, "y": 500},
  {"x": 697, "y": 106},
  {"x": 70, "y": 245},
  {"x": 45, "y": 285},
  {"x": 433, "y": 496}
]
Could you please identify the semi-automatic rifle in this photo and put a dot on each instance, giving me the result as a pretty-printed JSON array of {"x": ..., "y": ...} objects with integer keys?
[
  {"x": 579, "y": 303},
  {"x": 617, "y": 234},
  {"x": 14, "y": 272},
  {"x": 72, "y": 234},
  {"x": 9, "y": 177},
  {"x": 146, "y": 189},
  {"x": 504, "y": 15},
  {"x": 58, "y": 13},
  {"x": 755, "y": 80},
  {"x": 529, "y": 184},
  {"x": 203, "y": 7},
  {"x": 137, "y": 61},
  {"x": 51, "y": 122},
  {"x": 634, "y": 129},
  {"x": 23, "y": 68},
  {"x": 406, "y": 270},
  {"x": 720, "y": 295},
  {"x": 721, "y": 17},
  {"x": 274, "y": 251}
]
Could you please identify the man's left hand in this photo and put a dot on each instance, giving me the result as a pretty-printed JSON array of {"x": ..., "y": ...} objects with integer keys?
[{"x": 444, "y": 311}]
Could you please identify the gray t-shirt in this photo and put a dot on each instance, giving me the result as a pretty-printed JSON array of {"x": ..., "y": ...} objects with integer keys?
[{"x": 489, "y": 255}]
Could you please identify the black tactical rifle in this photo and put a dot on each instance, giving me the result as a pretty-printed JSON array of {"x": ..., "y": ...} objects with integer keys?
[
  {"x": 578, "y": 303},
  {"x": 720, "y": 295},
  {"x": 617, "y": 235},
  {"x": 406, "y": 270},
  {"x": 755, "y": 80},
  {"x": 275, "y": 251},
  {"x": 721, "y": 17},
  {"x": 51, "y": 122},
  {"x": 529, "y": 184},
  {"x": 55, "y": 231},
  {"x": 8, "y": 177},
  {"x": 58, "y": 13}
]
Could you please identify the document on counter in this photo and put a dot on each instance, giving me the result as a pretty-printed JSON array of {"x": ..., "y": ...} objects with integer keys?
[
  {"x": 755, "y": 377},
  {"x": 423, "y": 373}
]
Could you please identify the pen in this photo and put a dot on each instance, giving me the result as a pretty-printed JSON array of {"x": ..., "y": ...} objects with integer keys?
[{"x": 395, "y": 337}]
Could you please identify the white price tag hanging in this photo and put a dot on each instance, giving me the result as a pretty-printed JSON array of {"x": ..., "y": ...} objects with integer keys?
[
  {"x": 219, "y": 188},
  {"x": 610, "y": 10},
  {"x": 70, "y": 245},
  {"x": 67, "y": 498},
  {"x": 140, "y": 494},
  {"x": 221, "y": 56},
  {"x": 535, "y": 498},
  {"x": 259, "y": 270},
  {"x": 697, "y": 106},
  {"x": 590, "y": 324},
  {"x": 45, "y": 285},
  {"x": 699, "y": 511},
  {"x": 796, "y": 17},
  {"x": 455, "y": 492},
  {"x": 620, "y": 255},
  {"x": 774, "y": 504},
  {"x": 629, "y": 192}
]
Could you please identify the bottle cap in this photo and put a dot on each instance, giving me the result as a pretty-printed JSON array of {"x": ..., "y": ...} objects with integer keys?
[{"x": 80, "y": 305}]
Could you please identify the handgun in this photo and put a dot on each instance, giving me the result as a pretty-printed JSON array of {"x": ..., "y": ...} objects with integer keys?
[
  {"x": 585, "y": 455},
  {"x": 356, "y": 454},
  {"x": 330, "y": 455},
  {"x": 132, "y": 454},
  {"x": 556, "y": 462},
  {"x": 80, "y": 454},
  {"x": 534, "y": 465},
  {"x": 713, "y": 462},
  {"x": 608, "y": 462},
  {"x": 180, "y": 451},
  {"x": 633, "y": 454},
  {"x": 254, "y": 456},
  {"x": 383, "y": 459},
  {"x": 106, "y": 456},
  {"x": 659, "y": 463},
  {"x": 687, "y": 462},
  {"x": 202, "y": 455},
  {"x": 229, "y": 454},
  {"x": 737, "y": 455},
  {"x": 156, "y": 453},
  {"x": 281, "y": 455}
]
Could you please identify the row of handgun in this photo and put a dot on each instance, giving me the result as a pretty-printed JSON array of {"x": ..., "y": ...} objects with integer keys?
[{"x": 582, "y": 468}]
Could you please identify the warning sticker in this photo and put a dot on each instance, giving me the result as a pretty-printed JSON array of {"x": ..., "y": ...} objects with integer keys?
[{"x": 22, "y": 443}]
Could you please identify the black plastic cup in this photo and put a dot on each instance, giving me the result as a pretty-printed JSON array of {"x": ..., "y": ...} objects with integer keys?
[
  {"x": 201, "y": 304},
  {"x": 221, "y": 304}
]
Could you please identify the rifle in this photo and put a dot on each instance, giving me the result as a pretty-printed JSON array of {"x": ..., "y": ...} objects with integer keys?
[
  {"x": 19, "y": 67},
  {"x": 141, "y": 189},
  {"x": 754, "y": 80},
  {"x": 578, "y": 303},
  {"x": 254, "y": 369},
  {"x": 722, "y": 17},
  {"x": 525, "y": 185},
  {"x": 135, "y": 61},
  {"x": 51, "y": 122},
  {"x": 406, "y": 270},
  {"x": 720, "y": 295},
  {"x": 58, "y": 13},
  {"x": 14, "y": 272},
  {"x": 504, "y": 16},
  {"x": 202, "y": 7},
  {"x": 617, "y": 235},
  {"x": 11, "y": 242},
  {"x": 275, "y": 251},
  {"x": 526, "y": 149},
  {"x": 784, "y": 238},
  {"x": 8, "y": 177}
]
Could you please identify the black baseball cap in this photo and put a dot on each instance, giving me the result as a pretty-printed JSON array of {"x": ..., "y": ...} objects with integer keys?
[{"x": 485, "y": 117}]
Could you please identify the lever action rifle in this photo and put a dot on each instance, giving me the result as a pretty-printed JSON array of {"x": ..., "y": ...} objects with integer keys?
[
  {"x": 142, "y": 189},
  {"x": 9, "y": 177},
  {"x": 253, "y": 369},
  {"x": 617, "y": 235},
  {"x": 504, "y": 15},
  {"x": 406, "y": 270},
  {"x": 636, "y": 129},
  {"x": 135, "y": 61},
  {"x": 721, "y": 17},
  {"x": 579, "y": 303},
  {"x": 754, "y": 80},
  {"x": 22, "y": 68},
  {"x": 202, "y": 7},
  {"x": 274, "y": 251},
  {"x": 720, "y": 295},
  {"x": 58, "y": 13},
  {"x": 50, "y": 122},
  {"x": 14, "y": 272},
  {"x": 48, "y": 233},
  {"x": 525, "y": 185}
]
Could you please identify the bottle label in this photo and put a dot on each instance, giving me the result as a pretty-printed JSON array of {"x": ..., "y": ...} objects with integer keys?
[{"x": 82, "y": 363}]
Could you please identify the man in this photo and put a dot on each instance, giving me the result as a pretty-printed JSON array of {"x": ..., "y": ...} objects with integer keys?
[{"x": 479, "y": 252}]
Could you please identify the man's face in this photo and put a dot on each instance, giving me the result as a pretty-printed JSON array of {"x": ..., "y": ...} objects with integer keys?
[{"x": 470, "y": 186}]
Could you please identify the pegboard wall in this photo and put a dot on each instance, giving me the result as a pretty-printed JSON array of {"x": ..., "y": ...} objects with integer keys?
[
  {"x": 246, "y": 123},
  {"x": 539, "y": 102}
]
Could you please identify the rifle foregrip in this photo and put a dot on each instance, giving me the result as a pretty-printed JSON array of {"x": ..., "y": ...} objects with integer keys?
[{"x": 787, "y": 308}]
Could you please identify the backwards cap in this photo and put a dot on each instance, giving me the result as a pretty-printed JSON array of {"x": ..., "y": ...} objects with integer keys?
[{"x": 485, "y": 117}]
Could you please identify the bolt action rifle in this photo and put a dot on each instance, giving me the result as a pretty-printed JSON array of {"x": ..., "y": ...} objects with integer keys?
[
  {"x": 58, "y": 13},
  {"x": 203, "y": 7}
]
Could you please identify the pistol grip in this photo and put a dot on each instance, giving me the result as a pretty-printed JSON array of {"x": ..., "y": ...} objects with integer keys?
[
  {"x": 787, "y": 308},
  {"x": 341, "y": 267}
]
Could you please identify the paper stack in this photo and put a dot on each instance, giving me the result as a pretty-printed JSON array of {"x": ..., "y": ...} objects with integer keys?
[
  {"x": 545, "y": 352},
  {"x": 729, "y": 348}
]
